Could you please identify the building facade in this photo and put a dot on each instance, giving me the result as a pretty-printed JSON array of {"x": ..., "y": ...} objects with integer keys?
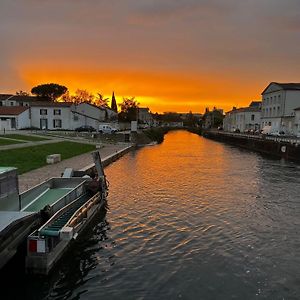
[
  {"x": 243, "y": 119},
  {"x": 51, "y": 115},
  {"x": 14, "y": 117},
  {"x": 145, "y": 116},
  {"x": 279, "y": 101}
]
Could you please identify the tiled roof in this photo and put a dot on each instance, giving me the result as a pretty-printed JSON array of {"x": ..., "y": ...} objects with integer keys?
[
  {"x": 12, "y": 110},
  {"x": 245, "y": 109},
  {"x": 20, "y": 98},
  {"x": 284, "y": 86},
  {"x": 289, "y": 86},
  {"x": 255, "y": 104},
  {"x": 51, "y": 104}
]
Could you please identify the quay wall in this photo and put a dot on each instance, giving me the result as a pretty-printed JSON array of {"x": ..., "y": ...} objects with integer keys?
[
  {"x": 110, "y": 158},
  {"x": 277, "y": 148}
]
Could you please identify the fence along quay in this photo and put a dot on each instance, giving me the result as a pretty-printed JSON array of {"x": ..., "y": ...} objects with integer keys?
[{"x": 279, "y": 147}]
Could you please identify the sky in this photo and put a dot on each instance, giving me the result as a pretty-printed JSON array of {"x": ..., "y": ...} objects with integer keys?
[{"x": 171, "y": 55}]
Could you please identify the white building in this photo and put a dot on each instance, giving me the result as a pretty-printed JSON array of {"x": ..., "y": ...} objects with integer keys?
[
  {"x": 297, "y": 122},
  {"x": 14, "y": 117},
  {"x": 55, "y": 115},
  {"x": 17, "y": 100},
  {"x": 51, "y": 115},
  {"x": 279, "y": 101},
  {"x": 66, "y": 115},
  {"x": 244, "y": 119},
  {"x": 145, "y": 116}
]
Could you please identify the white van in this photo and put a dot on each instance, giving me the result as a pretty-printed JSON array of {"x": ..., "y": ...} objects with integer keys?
[{"x": 104, "y": 128}]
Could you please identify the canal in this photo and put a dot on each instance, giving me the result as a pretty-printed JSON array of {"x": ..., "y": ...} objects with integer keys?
[{"x": 188, "y": 219}]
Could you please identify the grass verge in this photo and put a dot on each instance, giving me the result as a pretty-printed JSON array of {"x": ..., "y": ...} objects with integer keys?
[
  {"x": 24, "y": 137},
  {"x": 30, "y": 158},
  {"x": 4, "y": 142}
]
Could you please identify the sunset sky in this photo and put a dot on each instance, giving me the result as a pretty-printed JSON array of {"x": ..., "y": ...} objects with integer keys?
[{"x": 171, "y": 55}]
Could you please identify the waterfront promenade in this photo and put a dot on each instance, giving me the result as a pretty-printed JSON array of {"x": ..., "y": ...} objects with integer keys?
[{"x": 34, "y": 177}]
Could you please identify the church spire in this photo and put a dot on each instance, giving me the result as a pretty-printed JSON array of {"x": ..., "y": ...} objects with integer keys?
[{"x": 114, "y": 103}]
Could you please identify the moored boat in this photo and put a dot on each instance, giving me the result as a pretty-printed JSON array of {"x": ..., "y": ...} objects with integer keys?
[
  {"x": 47, "y": 244},
  {"x": 21, "y": 214}
]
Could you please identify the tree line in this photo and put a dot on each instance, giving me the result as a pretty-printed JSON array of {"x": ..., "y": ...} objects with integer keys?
[{"x": 56, "y": 92}]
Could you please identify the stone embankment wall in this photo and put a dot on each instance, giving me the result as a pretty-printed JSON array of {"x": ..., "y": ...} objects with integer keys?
[
  {"x": 110, "y": 158},
  {"x": 274, "y": 148}
]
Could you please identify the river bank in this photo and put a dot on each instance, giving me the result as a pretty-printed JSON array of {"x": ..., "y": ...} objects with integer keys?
[
  {"x": 109, "y": 153},
  {"x": 288, "y": 149}
]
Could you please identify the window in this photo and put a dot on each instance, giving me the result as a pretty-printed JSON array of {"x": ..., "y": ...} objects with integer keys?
[
  {"x": 56, "y": 123},
  {"x": 11, "y": 104},
  {"x": 75, "y": 118},
  {"x": 252, "y": 117},
  {"x": 57, "y": 112},
  {"x": 1, "y": 103},
  {"x": 43, "y": 112}
]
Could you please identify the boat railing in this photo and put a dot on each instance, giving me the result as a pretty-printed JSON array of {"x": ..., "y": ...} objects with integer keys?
[
  {"x": 39, "y": 244},
  {"x": 83, "y": 211},
  {"x": 60, "y": 213},
  {"x": 69, "y": 197},
  {"x": 75, "y": 184}
]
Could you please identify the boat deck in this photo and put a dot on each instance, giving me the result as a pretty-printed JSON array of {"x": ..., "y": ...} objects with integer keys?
[
  {"x": 48, "y": 197},
  {"x": 54, "y": 227},
  {"x": 9, "y": 217}
]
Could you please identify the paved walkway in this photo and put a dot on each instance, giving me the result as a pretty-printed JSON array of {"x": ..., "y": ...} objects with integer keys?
[
  {"x": 32, "y": 178},
  {"x": 29, "y": 144}
]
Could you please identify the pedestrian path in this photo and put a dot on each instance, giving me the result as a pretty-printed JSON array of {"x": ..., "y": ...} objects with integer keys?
[
  {"x": 30, "y": 144},
  {"x": 34, "y": 177}
]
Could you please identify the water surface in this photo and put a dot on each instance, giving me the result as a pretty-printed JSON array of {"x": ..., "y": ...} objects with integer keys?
[{"x": 189, "y": 219}]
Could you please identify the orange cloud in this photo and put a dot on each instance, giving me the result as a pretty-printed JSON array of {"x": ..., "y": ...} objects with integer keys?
[{"x": 160, "y": 91}]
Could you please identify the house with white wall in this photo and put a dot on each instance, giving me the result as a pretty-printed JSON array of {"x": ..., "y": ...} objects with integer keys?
[
  {"x": 87, "y": 114},
  {"x": 51, "y": 115},
  {"x": 145, "y": 116},
  {"x": 66, "y": 115},
  {"x": 279, "y": 101},
  {"x": 18, "y": 100},
  {"x": 14, "y": 117},
  {"x": 244, "y": 119},
  {"x": 297, "y": 122}
]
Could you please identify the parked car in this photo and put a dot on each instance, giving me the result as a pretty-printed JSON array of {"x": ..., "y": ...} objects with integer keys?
[
  {"x": 85, "y": 128},
  {"x": 236, "y": 130},
  {"x": 103, "y": 128},
  {"x": 277, "y": 133},
  {"x": 250, "y": 131}
]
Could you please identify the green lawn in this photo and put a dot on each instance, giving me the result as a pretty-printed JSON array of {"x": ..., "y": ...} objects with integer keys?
[
  {"x": 4, "y": 142},
  {"x": 30, "y": 158},
  {"x": 24, "y": 137}
]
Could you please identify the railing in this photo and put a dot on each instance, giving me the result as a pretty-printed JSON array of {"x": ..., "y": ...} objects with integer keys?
[
  {"x": 284, "y": 139},
  {"x": 81, "y": 212}
]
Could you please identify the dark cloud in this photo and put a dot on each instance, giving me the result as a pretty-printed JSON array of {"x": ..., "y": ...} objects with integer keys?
[{"x": 245, "y": 40}]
